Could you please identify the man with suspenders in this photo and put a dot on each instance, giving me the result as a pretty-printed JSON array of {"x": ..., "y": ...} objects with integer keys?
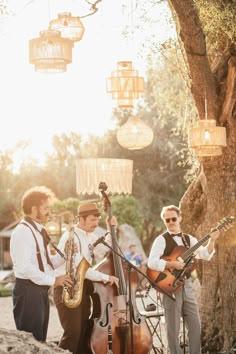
[{"x": 33, "y": 265}]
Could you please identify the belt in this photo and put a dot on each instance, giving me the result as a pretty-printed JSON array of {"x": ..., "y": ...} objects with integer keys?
[{"x": 28, "y": 282}]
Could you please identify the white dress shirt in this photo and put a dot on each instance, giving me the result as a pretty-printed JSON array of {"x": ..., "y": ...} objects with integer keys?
[
  {"x": 24, "y": 255},
  {"x": 155, "y": 262},
  {"x": 86, "y": 239}
]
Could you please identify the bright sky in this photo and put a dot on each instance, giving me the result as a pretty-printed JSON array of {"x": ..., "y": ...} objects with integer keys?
[{"x": 36, "y": 106}]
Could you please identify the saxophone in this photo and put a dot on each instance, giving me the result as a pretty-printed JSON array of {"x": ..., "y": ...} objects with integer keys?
[{"x": 72, "y": 296}]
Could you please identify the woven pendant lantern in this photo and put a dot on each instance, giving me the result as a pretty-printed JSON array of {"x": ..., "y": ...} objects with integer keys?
[
  {"x": 207, "y": 139},
  {"x": 124, "y": 84},
  {"x": 50, "y": 53},
  {"x": 116, "y": 173},
  {"x": 69, "y": 26},
  {"x": 134, "y": 134}
]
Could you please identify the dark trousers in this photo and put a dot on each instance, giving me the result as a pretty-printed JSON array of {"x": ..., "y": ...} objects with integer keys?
[
  {"x": 75, "y": 322},
  {"x": 31, "y": 308}
]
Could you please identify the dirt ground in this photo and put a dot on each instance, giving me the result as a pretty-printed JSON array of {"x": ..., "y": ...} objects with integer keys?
[
  {"x": 7, "y": 320},
  {"x": 55, "y": 330}
]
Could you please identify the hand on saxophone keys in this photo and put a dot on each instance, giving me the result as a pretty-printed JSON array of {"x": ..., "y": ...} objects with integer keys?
[
  {"x": 63, "y": 280},
  {"x": 67, "y": 245},
  {"x": 113, "y": 280}
]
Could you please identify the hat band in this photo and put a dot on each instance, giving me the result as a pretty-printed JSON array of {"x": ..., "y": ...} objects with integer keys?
[{"x": 89, "y": 212}]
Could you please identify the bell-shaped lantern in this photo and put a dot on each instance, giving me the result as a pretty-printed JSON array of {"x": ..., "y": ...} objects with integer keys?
[
  {"x": 70, "y": 27},
  {"x": 124, "y": 84},
  {"x": 134, "y": 134},
  {"x": 207, "y": 139},
  {"x": 50, "y": 52}
]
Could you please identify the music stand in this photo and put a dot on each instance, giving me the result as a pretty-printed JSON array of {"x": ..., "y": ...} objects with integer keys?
[{"x": 153, "y": 320}]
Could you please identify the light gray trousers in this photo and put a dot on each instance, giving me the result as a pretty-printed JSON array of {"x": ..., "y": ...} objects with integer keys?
[{"x": 186, "y": 305}]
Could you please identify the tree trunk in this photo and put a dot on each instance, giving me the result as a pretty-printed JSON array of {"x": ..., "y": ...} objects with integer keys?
[
  {"x": 210, "y": 198},
  {"x": 212, "y": 195}
]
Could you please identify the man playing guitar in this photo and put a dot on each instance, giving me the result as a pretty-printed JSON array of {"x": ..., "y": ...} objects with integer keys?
[{"x": 160, "y": 261}]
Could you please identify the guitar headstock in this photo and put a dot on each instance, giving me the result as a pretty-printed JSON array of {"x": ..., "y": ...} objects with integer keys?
[{"x": 226, "y": 223}]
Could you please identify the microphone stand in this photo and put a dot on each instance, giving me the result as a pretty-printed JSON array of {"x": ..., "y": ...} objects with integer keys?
[{"x": 129, "y": 267}]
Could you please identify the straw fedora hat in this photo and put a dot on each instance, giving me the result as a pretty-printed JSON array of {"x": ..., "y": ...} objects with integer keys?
[{"x": 88, "y": 209}]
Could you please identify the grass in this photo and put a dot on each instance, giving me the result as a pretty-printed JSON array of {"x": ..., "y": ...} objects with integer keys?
[{"x": 5, "y": 291}]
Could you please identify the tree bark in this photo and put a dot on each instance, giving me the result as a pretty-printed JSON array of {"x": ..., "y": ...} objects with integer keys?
[{"x": 212, "y": 195}]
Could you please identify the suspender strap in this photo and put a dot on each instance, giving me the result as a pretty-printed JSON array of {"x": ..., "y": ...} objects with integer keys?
[
  {"x": 44, "y": 235},
  {"x": 80, "y": 248},
  {"x": 40, "y": 262}
]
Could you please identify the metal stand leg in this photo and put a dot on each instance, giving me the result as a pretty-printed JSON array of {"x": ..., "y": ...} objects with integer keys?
[{"x": 153, "y": 316}]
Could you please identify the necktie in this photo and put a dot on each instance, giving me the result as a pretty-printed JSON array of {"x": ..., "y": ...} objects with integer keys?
[{"x": 46, "y": 241}]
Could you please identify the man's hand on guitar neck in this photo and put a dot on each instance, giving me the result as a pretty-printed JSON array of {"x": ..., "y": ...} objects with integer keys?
[
  {"x": 214, "y": 237},
  {"x": 174, "y": 264}
]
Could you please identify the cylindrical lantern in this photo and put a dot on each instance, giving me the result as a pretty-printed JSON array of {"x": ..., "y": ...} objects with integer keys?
[
  {"x": 134, "y": 134},
  {"x": 207, "y": 139},
  {"x": 69, "y": 26},
  {"x": 50, "y": 52},
  {"x": 116, "y": 173},
  {"x": 124, "y": 84}
]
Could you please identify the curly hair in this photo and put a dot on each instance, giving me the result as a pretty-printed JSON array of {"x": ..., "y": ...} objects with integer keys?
[{"x": 34, "y": 197}]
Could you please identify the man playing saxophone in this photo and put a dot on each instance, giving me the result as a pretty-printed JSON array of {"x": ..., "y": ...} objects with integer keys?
[{"x": 74, "y": 319}]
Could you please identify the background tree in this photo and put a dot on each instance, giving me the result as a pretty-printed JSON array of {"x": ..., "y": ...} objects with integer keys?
[{"x": 207, "y": 31}]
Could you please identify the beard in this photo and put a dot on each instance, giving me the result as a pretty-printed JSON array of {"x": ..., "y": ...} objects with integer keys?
[{"x": 41, "y": 217}]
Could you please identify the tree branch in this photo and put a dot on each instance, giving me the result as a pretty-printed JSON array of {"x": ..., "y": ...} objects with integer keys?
[{"x": 203, "y": 83}]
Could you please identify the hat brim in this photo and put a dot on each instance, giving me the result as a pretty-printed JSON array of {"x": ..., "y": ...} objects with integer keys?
[{"x": 89, "y": 212}]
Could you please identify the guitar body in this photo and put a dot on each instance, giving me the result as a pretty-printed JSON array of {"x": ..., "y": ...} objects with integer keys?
[{"x": 171, "y": 280}]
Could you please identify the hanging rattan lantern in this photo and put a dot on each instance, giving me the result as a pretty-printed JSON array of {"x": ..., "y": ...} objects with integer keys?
[
  {"x": 69, "y": 26},
  {"x": 207, "y": 139},
  {"x": 116, "y": 173},
  {"x": 124, "y": 84},
  {"x": 50, "y": 52},
  {"x": 134, "y": 134}
]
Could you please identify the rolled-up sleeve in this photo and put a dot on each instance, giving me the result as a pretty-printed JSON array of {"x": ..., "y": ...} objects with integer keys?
[
  {"x": 95, "y": 275},
  {"x": 202, "y": 251},
  {"x": 154, "y": 260},
  {"x": 24, "y": 257}
]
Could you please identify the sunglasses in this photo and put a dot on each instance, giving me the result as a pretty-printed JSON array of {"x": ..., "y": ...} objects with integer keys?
[{"x": 171, "y": 219}]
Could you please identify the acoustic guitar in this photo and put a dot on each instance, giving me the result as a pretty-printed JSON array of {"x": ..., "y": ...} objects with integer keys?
[{"x": 171, "y": 280}]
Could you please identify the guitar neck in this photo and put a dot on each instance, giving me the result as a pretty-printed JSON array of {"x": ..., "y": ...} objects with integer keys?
[{"x": 191, "y": 250}]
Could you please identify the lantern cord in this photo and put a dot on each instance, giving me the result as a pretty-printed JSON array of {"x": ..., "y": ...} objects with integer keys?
[{"x": 49, "y": 11}]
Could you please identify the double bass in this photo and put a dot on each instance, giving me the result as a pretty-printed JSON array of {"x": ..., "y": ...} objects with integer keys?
[{"x": 118, "y": 328}]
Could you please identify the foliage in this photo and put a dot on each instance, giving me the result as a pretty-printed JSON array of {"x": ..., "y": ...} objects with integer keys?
[
  {"x": 127, "y": 211},
  {"x": 218, "y": 21},
  {"x": 7, "y": 202},
  {"x": 158, "y": 169},
  {"x": 68, "y": 204},
  {"x": 4, "y": 291}
]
